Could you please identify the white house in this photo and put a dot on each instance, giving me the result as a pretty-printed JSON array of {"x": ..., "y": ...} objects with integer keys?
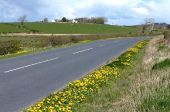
[
  {"x": 74, "y": 21},
  {"x": 53, "y": 21}
]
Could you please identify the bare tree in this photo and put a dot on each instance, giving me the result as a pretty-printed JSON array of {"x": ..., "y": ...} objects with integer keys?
[
  {"x": 168, "y": 27},
  {"x": 143, "y": 29},
  {"x": 22, "y": 19},
  {"x": 100, "y": 20},
  {"x": 94, "y": 20},
  {"x": 45, "y": 20},
  {"x": 150, "y": 22}
]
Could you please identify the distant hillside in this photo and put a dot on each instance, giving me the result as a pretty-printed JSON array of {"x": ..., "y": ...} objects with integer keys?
[
  {"x": 65, "y": 28},
  {"x": 11, "y": 28}
]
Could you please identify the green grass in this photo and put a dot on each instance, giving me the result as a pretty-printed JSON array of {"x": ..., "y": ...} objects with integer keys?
[
  {"x": 10, "y": 28},
  {"x": 162, "y": 47},
  {"x": 67, "y": 28},
  {"x": 104, "y": 98},
  {"x": 159, "y": 100},
  {"x": 139, "y": 89},
  {"x": 162, "y": 64},
  {"x": 43, "y": 49}
]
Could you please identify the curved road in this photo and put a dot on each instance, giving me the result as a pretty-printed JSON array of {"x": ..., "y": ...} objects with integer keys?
[{"x": 26, "y": 79}]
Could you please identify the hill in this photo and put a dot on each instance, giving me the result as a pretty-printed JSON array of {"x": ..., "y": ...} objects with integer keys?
[
  {"x": 65, "y": 28},
  {"x": 11, "y": 28}
]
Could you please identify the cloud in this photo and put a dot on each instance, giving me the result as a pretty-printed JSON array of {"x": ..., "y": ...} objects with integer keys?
[
  {"x": 141, "y": 11},
  {"x": 8, "y": 12},
  {"x": 117, "y": 11}
]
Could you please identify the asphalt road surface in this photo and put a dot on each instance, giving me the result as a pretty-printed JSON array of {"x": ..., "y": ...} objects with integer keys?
[{"x": 26, "y": 79}]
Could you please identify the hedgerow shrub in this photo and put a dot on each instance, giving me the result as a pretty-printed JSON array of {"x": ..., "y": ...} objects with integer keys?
[
  {"x": 56, "y": 41},
  {"x": 10, "y": 46},
  {"x": 167, "y": 35}
]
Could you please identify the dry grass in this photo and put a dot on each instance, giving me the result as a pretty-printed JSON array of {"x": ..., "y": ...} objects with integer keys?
[
  {"x": 104, "y": 98},
  {"x": 148, "y": 90},
  {"x": 140, "y": 89},
  {"x": 150, "y": 52}
]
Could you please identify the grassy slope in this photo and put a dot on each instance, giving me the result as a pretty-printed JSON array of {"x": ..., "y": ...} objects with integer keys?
[
  {"x": 7, "y": 27},
  {"x": 162, "y": 64},
  {"x": 78, "y": 28},
  {"x": 67, "y": 28},
  {"x": 103, "y": 100},
  {"x": 140, "y": 89},
  {"x": 30, "y": 50},
  {"x": 32, "y": 42}
]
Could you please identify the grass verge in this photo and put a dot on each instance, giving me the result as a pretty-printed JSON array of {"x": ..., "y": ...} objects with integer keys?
[
  {"x": 162, "y": 64},
  {"x": 104, "y": 98},
  {"x": 80, "y": 90},
  {"x": 148, "y": 90},
  {"x": 139, "y": 88},
  {"x": 27, "y": 51}
]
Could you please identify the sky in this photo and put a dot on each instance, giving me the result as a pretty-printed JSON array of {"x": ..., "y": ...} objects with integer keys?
[{"x": 118, "y": 12}]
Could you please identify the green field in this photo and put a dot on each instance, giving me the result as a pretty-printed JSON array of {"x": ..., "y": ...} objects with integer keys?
[
  {"x": 94, "y": 31},
  {"x": 11, "y": 28},
  {"x": 65, "y": 28}
]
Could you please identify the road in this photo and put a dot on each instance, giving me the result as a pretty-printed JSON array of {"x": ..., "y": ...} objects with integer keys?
[{"x": 26, "y": 79}]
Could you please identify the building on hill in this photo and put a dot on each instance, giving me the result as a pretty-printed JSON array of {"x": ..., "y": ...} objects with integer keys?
[
  {"x": 73, "y": 21},
  {"x": 53, "y": 21}
]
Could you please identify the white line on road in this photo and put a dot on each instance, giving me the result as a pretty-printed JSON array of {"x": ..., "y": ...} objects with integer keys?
[
  {"x": 82, "y": 51},
  {"x": 31, "y": 65}
]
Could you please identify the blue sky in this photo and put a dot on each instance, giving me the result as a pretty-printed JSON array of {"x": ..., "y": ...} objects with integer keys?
[{"x": 119, "y": 12}]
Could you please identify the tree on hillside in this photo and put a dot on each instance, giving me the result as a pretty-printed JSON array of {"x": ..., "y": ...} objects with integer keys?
[
  {"x": 94, "y": 20},
  {"x": 22, "y": 19},
  {"x": 56, "y": 20},
  {"x": 149, "y": 23},
  {"x": 82, "y": 20},
  {"x": 45, "y": 20},
  {"x": 168, "y": 27},
  {"x": 64, "y": 19},
  {"x": 100, "y": 20},
  {"x": 143, "y": 29}
]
